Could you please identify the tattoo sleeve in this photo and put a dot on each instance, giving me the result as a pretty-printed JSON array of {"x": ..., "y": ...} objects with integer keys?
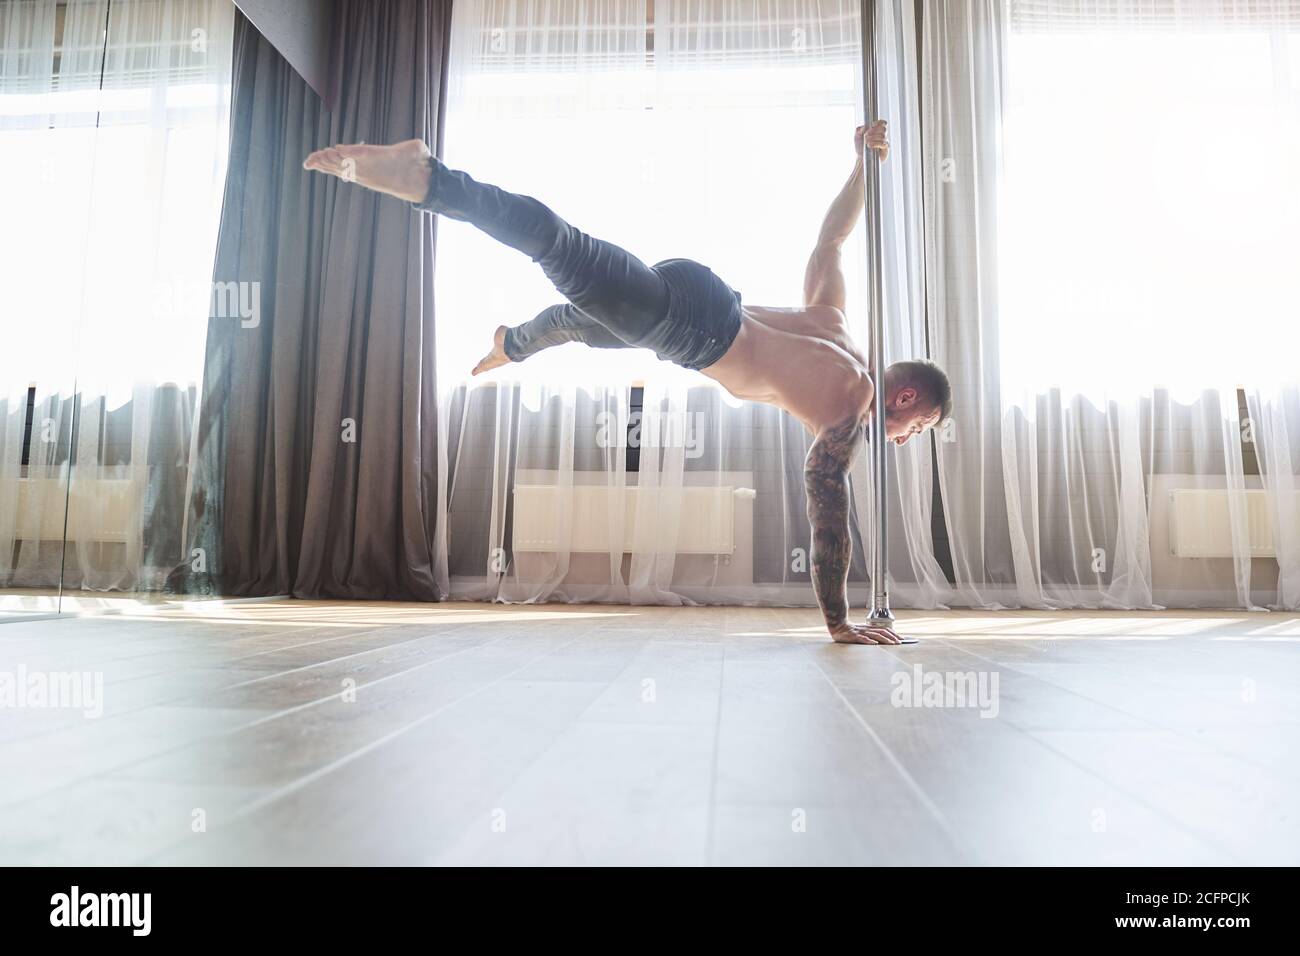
[{"x": 826, "y": 478}]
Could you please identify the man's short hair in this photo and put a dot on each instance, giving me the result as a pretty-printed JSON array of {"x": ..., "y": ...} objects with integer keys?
[{"x": 931, "y": 381}]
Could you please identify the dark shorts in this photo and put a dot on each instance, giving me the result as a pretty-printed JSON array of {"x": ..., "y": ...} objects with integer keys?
[
  {"x": 704, "y": 315},
  {"x": 677, "y": 308}
]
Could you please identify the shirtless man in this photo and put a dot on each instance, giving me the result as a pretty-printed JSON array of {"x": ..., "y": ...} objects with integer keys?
[{"x": 801, "y": 360}]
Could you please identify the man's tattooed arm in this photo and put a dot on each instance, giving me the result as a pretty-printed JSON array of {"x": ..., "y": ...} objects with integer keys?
[{"x": 826, "y": 478}]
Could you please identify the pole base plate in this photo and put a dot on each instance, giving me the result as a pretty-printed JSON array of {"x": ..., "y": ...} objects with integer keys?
[{"x": 883, "y": 615}]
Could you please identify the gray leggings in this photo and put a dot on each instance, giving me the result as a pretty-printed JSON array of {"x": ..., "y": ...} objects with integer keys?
[{"x": 677, "y": 308}]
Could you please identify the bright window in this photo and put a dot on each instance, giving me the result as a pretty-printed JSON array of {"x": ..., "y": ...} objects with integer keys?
[
  {"x": 110, "y": 232},
  {"x": 1149, "y": 207},
  {"x": 730, "y": 162}
]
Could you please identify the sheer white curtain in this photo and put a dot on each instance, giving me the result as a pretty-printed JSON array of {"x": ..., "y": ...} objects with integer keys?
[
  {"x": 1112, "y": 257},
  {"x": 717, "y": 130},
  {"x": 39, "y": 318},
  {"x": 916, "y": 578},
  {"x": 113, "y": 122}
]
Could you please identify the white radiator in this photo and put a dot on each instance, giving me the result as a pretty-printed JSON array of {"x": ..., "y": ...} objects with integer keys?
[
  {"x": 707, "y": 523},
  {"x": 100, "y": 509},
  {"x": 1199, "y": 524}
]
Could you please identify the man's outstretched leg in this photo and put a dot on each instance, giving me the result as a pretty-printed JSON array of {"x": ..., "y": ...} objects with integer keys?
[
  {"x": 554, "y": 325},
  {"x": 619, "y": 300}
]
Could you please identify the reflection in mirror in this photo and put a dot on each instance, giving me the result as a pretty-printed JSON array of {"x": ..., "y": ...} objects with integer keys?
[{"x": 115, "y": 118}]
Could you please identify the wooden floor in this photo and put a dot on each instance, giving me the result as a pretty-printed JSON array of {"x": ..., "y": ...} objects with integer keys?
[{"x": 310, "y": 733}]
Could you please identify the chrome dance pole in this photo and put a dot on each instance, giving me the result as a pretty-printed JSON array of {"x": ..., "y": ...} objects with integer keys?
[{"x": 880, "y": 612}]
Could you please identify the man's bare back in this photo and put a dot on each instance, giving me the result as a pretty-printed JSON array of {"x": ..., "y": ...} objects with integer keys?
[{"x": 779, "y": 354}]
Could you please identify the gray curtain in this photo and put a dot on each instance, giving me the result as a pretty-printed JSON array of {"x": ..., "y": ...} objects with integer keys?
[{"x": 317, "y": 444}]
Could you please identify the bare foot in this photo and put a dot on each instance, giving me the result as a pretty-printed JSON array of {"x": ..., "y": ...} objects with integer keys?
[
  {"x": 497, "y": 357},
  {"x": 400, "y": 170}
]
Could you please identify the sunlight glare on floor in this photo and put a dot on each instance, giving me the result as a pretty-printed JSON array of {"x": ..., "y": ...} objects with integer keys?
[{"x": 291, "y": 613}]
